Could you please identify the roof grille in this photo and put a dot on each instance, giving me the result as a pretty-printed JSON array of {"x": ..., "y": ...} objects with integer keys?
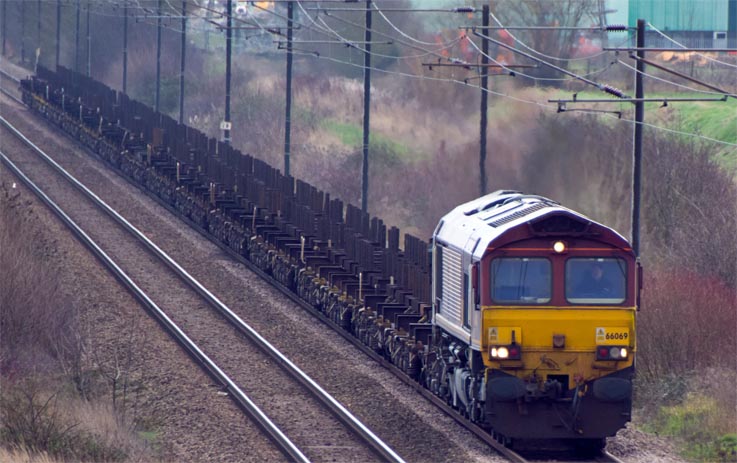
[
  {"x": 560, "y": 224},
  {"x": 516, "y": 215}
]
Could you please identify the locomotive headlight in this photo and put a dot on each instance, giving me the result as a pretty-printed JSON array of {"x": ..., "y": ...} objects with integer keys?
[
  {"x": 624, "y": 353},
  {"x": 614, "y": 352},
  {"x": 559, "y": 246},
  {"x": 512, "y": 352}
]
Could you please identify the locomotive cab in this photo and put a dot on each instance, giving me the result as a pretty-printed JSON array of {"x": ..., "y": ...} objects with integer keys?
[{"x": 542, "y": 302}]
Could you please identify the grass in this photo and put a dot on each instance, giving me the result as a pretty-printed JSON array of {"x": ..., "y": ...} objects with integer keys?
[
  {"x": 44, "y": 413},
  {"x": 716, "y": 120},
  {"x": 352, "y": 135},
  {"x": 152, "y": 437},
  {"x": 693, "y": 422},
  {"x": 696, "y": 409},
  {"x": 712, "y": 119}
]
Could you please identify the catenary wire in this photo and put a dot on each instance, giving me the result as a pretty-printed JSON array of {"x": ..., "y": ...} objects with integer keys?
[{"x": 667, "y": 37}]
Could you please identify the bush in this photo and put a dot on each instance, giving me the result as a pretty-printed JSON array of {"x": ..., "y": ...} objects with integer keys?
[
  {"x": 696, "y": 422},
  {"x": 727, "y": 447},
  {"x": 38, "y": 329},
  {"x": 62, "y": 426},
  {"x": 31, "y": 419},
  {"x": 44, "y": 378},
  {"x": 686, "y": 323},
  {"x": 699, "y": 408}
]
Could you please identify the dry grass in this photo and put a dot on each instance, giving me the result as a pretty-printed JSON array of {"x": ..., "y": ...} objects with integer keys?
[
  {"x": 22, "y": 454},
  {"x": 37, "y": 323},
  {"x": 44, "y": 411},
  {"x": 59, "y": 424}
]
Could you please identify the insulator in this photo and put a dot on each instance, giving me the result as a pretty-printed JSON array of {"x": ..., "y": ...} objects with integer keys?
[
  {"x": 464, "y": 9},
  {"x": 616, "y": 27},
  {"x": 613, "y": 91}
]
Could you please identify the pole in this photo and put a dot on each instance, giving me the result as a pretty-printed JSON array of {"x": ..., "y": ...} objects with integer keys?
[
  {"x": 637, "y": 151},
  {"x": 76, "y": 42},
  {"x": 89, "y": 42},
  {"x": 484, "y": 103},
  {"x": 125, "y": 47},
  {"x": 182, "y": 62},
  {"x": 22, "y": 32},
  {"x": 208, "y": 18},
  {"x": 38, "y": 27},
  {"x": 158, "y": 59},
  {"x": 366, "y": 107},
  {"x": 58, "y": 30},
  {"x": 288, "y": 118},
  {"x": 5, "y": 23},
  {"x": 228, "y": 52}
]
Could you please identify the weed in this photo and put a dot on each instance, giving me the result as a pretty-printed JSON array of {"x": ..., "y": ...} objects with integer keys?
[
  {"x": 38, "y": 330},
  {"x": 702, "y": 418},
  {"x": 44, "y": 354},
  {"x": 727, "y": 447}
]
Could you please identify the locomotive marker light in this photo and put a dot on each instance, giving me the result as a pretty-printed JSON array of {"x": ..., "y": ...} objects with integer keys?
[
  {"x": 611, "y": 353},
  {"x": 559, "y": 247}
]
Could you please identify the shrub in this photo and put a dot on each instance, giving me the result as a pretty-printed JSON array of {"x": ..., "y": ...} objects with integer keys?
[
  {"x": 686, "y": 323},
  {"x": 699, "y": 408},
  {"x": 62, "y": 426},
  {"x": 38, "y": 329},
  {"x": 31, "y": 419},
  {"x": 695, "y": 421},
  {"x": 727, "y": 447}
]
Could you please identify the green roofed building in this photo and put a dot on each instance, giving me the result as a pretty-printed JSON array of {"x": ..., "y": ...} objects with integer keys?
[{"x": 694, "y": 23}]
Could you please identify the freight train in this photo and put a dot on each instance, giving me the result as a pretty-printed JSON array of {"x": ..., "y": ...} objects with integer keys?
[{"x": 519, "y": 313}]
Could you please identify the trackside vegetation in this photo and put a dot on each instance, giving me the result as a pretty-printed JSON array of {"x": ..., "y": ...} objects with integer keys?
[{"x": 57, "y": 403}]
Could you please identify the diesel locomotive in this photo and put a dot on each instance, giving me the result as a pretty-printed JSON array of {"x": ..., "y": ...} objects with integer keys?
[{"x": 534, "y": 315}]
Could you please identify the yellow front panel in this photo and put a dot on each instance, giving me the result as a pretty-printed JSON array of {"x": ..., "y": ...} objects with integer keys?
[
  {"x": 579, "y": 325},
  {"x": 581, "y": 328}
]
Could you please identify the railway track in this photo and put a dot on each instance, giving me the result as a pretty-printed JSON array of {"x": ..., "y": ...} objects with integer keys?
[
  {"x": 482, "y": 434},
  {"x": 130, "y": 256}
]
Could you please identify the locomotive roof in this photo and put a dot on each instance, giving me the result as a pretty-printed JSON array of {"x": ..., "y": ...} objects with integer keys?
[{"x": 485, "y": 221}]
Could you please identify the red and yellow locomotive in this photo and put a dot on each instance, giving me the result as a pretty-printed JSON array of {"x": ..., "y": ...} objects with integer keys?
[{"x": 534, "y": 313}]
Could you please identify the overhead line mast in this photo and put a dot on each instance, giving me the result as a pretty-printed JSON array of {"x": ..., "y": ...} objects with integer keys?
[
  {"x": 182, "y": 58},
  {"x": 288, "y": 110},
  {"x": 366, "y": 107},
  {"x": 228, "y": 53},
  {"x": 158, "y": 58},
  {"x": 484, "y": 104}
]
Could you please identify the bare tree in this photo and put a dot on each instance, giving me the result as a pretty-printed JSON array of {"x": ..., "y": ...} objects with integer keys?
[{"x": 547, "y": 43}]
